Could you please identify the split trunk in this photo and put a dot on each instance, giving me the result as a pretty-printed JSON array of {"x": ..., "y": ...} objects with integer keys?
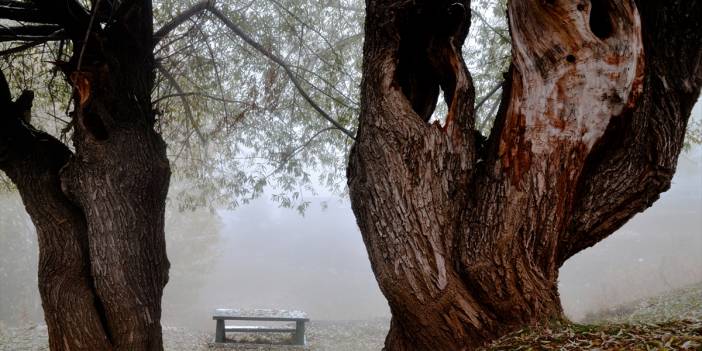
[
  {"x": 466, "y": 238},
  {"x": 98, "y": 210}
]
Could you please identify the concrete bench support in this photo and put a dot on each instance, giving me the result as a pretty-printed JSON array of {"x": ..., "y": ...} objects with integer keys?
[
  {"x": 219, "y": 332},
  {"x": 300, "y": 333},
  {"x": 299, "y": 317}
]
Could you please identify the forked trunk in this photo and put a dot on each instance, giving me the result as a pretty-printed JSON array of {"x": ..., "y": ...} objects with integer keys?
[
  {"x": 99, "y": 212},
  {"x": 466, "y": 240}
]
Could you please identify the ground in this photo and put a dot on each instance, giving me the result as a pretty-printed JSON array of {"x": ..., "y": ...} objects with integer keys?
[
  {"x": 321, "y": 336},
  {"x": 669, "y": 322}
]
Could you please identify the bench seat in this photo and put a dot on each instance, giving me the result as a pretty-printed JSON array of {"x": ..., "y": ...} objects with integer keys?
[
  {"x": 259, "y": 315},
  {"x": 258, "y": 329},
  {"x": 221, "y": 315}
]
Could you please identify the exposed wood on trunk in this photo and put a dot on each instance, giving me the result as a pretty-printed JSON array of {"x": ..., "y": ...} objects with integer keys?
[
  {"x": 636, "y": 159},
  {"x": 467, "y": 248},
  {"x": 100, "y": 212},
  {"x": 33, "y": 159}
]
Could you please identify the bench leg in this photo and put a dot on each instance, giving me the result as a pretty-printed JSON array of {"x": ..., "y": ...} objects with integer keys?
[
  {"x": 219, "y": 332},
  {"x": 300, "y": 333}
]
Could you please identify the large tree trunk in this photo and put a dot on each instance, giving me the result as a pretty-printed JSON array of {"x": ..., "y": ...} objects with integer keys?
[
  {"x": 33, "y": 161},
  {"x": 99, "y": 212},
  {"x": 466, "y": 240}
]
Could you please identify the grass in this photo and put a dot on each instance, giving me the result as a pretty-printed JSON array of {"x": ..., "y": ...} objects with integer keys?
[
  {"x": 680, "y": 304},
  {"x": 669, "y": 322}
]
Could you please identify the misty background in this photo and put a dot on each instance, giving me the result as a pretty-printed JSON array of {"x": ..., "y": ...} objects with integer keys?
[{"x": 262, "y": 256}]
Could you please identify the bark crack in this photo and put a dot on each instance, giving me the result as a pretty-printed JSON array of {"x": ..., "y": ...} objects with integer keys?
[
  {"x": 429, "y": 58},
  {"x": 34, "y": 160},
  {"x": 600, "y": 23}
]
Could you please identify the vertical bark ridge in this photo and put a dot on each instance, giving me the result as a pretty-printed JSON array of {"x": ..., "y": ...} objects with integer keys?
[
  {"x": 635, "y": 161},
  {"x": 474, "y": 248},
  {"x": 408, "y": 221},
  {"x": 120, "y": 174},
  {"x": 122, "y": 207},
  {"x": 33, "y": 160},
  {"x": 99, "y": 212},
  {"x": 565, "y": 89}
]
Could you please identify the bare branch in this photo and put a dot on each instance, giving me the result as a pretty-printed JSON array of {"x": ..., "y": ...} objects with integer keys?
[
  {"x": 70, "y": 14},
  {"x": 58, "y": 35},
  {"x": 180, "y": 19},
  {"x": 495, "y": 30},
  {"x": 23, "y": 11},
  {"x": 488, "y": 96},
  {"x": 28, "y": 33}
]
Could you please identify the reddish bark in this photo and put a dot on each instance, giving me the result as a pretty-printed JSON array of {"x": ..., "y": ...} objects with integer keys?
[{"x": 466, "y": 245}]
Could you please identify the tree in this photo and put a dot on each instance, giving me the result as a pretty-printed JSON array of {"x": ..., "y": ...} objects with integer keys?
[
  {"x": 98, "y": 210},
  {"x": 260, "y": 131},
  {"x": 466, "y": 237},
  {"x": 99, "y": 205}
]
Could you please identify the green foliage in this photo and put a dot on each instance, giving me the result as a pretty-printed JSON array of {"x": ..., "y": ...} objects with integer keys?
[
  {"x": 260, "y": 135},
  {"x": 694, "y": 131},
  {"x": 488, "y": 56},
  {"x": 34, "y": 70},
  {"x": 236, "y": 126}
]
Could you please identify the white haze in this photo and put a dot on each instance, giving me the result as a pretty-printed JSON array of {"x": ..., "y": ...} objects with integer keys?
[{"x": 263, "y": 256}]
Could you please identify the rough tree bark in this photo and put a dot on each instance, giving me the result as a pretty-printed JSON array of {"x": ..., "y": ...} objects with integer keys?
[
  {"x": 99, "y": 211},
  {"x": 466, "y": 239}
]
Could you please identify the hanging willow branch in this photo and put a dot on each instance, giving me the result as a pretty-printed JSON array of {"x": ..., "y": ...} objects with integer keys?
[{"x": 208, "y": 5}]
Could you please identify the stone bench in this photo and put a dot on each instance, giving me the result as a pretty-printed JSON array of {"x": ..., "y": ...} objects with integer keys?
[{"x": 222, "y": 315}]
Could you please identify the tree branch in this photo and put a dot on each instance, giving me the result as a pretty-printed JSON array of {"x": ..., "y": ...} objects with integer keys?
[
  {"x": 58, "y": 35},
  {"x": 33, "y": 160},
  {"x": 305, "y": 24},
  {"x": 528, "y": 151},
  {"x": 180, "y": 19},
  {"x": 488, "y": 96},
  {"x": 241, "y": 34},
  {"x": 84, "y": 43},
  {"x": 636, "y": 159},
  {"x": 209, "y": 6},
  {"x": 487, "y": 24},
  {"x": 29, "y": 33},
  {"x": 297, "y": 149},
  {"x": 70, "y": 14},
  {"x": 186, "y": 105},
  {"x": 218, "y": 76},
  {"x": 195, "y": 93},
  {"x": 23, "y": 11}
]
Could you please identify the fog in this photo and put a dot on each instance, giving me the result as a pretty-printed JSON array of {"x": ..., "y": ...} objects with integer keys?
[{"x": 263, "y": 256}]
